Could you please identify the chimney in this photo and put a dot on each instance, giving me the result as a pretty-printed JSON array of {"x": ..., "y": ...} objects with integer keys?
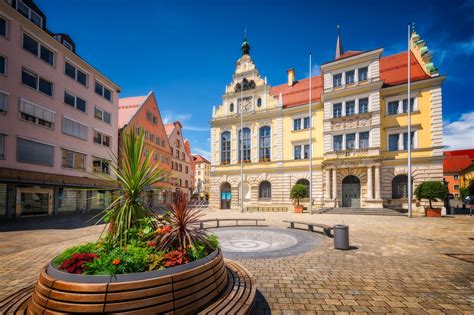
[{"x": 291, "y": 76}]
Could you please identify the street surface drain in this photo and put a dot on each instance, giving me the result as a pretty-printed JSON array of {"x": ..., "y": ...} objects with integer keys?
[{"x": 263, "y": 242}]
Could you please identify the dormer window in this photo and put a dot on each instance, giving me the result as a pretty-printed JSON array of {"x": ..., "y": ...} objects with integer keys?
[
  {"x": 363, "y": 73},
  {"x": 29, "y": 13},
  {"x": 67, "y": 45},
  {"x": 337, "y": 80},
  {"x": 350, "y": 77}
]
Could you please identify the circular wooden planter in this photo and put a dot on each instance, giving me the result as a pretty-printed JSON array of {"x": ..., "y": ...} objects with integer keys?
[{"x": 182, "y": 289}]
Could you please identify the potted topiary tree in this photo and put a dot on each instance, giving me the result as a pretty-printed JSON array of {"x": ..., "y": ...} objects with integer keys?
[
  {"x": 297, "y": 192},
  {"x": 433, "y": 191}
]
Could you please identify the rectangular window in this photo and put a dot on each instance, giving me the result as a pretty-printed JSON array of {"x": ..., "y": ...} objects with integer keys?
[
  {"x": 3, "y": 65},
  {"x": 75, "y": 74},
  {"x": 363, "y": 105},
  {"x": 350, "y": 108},
  {"x": 337, "y": 80},
  {"x": 2, "y": 146},
  {"x": 103, "y": 91},
  {"x": 3, "y": 27},
  {"x": 36, "y": 114},
  {"x": 75, "y": 101},
  {"x": 101, "y": 166},
  {"x": 456, "y": 187},
  {"x": 350, "y": 77},
  {"x": 38, "y": 49},
  {"x": 38, "y": 83},
  {"x": 101, "y": 114},
  {"x": 186, "y": 170},
  {"x": 363, "y": 140},
  {"x": 337, "y": 143},
  {"x": 337, "y": 110},
  {"x": 297, "y": 124},
  {"x": 73, "y": 128},
  {"x": 456, "y": 177},
  {"x": 28, "y": 151},
  {"x": 29, "y": 13},
  {"x": 405, "y": 105},
  {"x": 350, "y": 141},
  {"x": 101, "y": 138},
  {"x": 73, "y": 160},
  {"x": 405, "y": 140},
  {"x": 149, "y": 116},
  {"x": 363, "y": 73},
  {"x": 297, "y": 152},
  {"x": 155, "y": 120},
  {"x": 393, "y": 108},
  {"x": 306, "y": 123},
  {"x": 3, "y": 103},
  {"x": 393, "y": 142},
  {"x": 306, "y": 151}
]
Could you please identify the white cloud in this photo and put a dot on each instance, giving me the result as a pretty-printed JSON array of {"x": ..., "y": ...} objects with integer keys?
[
  {"x": 193, "y": 128},
  {"x": 169, "y": 117},
  {"x": 204, "y": 153},
  {"x": 315, "y": 70},
  {"x": 459, "y": 134}
]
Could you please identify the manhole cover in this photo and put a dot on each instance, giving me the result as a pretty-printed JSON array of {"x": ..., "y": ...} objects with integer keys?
[{"x": 263, "y": 242}]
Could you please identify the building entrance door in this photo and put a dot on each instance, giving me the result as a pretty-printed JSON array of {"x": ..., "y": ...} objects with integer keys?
[
  {"x": 351, "y": 191},
  {"x": 34, "y": 201},
  {"x": 226, "y": 196}
]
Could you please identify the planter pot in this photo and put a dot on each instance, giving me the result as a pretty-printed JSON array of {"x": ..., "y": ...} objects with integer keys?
[
  {"x": 298, "y": 209},
  {"x": 433, "y": 212},
  {"x": 182, "y": 289}
]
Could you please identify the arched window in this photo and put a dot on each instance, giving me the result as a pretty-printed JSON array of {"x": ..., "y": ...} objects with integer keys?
[
  {"x": 225, "y": 147},
  {"x": 304, "y": 182},
  {"x": 231, "y": 107},
  {"x": 265, "y": 143},
  {"x": 237, "y": 87},
  {"x": 244, "y": 145},
  {"x": 400, "y": 187},
  {"x": 265, "y": 190},
  {"x": 259, "y": 102}
]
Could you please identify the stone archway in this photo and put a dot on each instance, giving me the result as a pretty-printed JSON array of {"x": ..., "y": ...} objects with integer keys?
[
  {"x": 226, "y": 195},
  {"x": 351, "y": 191}
]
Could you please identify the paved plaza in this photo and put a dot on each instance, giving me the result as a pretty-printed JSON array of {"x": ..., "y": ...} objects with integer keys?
[{"x": 398, "y": 265}]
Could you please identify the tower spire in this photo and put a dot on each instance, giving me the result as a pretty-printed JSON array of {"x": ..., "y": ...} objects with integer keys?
[
  {"x": 339, "y": 49},
  {"x": 245, "y": 44}
]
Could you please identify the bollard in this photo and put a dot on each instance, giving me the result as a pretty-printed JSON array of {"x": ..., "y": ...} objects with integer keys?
[{"x": 341, "y": 237}]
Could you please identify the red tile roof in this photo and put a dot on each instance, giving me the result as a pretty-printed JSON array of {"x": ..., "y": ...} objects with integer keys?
[
  {"x": 298, "y": 94},
  {"x": 469, "y": 153},
  {"x": 455, "y": 164},
  {"x": 200, "y": 159},
  {"x": 350, "y": 53},
  {"x": 128, "y": 107},
  {"x": 394, "y": 69}
]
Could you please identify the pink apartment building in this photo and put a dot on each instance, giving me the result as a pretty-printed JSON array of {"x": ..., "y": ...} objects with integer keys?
[{"x": 58, "y": 119}]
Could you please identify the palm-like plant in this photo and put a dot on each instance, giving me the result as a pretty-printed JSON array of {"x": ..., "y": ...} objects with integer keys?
[
  {"x": 184, "y": 230},
  {"x": 135, "y": 174}
]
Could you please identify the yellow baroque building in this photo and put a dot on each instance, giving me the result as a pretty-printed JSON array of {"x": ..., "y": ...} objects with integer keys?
[{"x": 359, "y": 132}]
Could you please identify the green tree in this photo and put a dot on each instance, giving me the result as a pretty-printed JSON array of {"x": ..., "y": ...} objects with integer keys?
[
  {"x": 298, "y": 192},
  {"x": 463, "y": 193},
  {"x": 433, "y": 191}
]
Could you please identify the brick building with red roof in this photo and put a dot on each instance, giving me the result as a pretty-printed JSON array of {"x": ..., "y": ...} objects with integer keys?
[
  {"x": 455, "y": 167},
  {"x": 350, "y": 121}
]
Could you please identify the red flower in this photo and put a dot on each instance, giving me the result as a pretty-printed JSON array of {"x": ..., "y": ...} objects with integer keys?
[
  {"x": 164, "y": 229},
  {"x": 76, "y": 264},
  {"x": 116, "y": 262},
  {"x": 176, "y": 257}
]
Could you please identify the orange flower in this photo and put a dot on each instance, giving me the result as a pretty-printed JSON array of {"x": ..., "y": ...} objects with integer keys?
[{"x": 116, "y": 262}]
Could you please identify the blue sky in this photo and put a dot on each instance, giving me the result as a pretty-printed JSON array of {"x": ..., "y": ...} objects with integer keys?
[{"x": 185, "y": 51}]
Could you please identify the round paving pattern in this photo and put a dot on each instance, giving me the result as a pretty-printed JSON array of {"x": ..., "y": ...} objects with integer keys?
[{"x": 263, "y": 242}]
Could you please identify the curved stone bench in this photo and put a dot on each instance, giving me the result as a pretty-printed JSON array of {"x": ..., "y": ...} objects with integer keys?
[{"x": 220, "y": 288}]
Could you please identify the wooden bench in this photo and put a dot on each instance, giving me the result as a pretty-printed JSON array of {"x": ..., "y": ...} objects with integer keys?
[
  {"x": 326, "y": 228},
  {"x": 238, "y": 297},
  {"x": 267, "y": 209},
  {"x": 236, "y": 220}
]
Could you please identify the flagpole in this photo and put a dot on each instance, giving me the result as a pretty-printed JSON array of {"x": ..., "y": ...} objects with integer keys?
[
  {"x": 241, "y": 139},
  {"x": 409, "y": 125},
  {"x": 310, "y": 153}
]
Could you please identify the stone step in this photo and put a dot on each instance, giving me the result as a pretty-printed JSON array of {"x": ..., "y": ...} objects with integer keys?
[{"x": 363, "y": 211}]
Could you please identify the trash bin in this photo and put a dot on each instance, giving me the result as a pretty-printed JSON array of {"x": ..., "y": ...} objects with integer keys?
[{"x": 341, "y": 236}]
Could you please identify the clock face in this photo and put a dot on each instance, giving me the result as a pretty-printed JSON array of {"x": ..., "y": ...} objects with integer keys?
[{"x": 247, "y": 103}]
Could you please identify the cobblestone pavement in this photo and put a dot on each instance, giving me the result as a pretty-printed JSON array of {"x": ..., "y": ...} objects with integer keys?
[{"x": 398, "y": 265}]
